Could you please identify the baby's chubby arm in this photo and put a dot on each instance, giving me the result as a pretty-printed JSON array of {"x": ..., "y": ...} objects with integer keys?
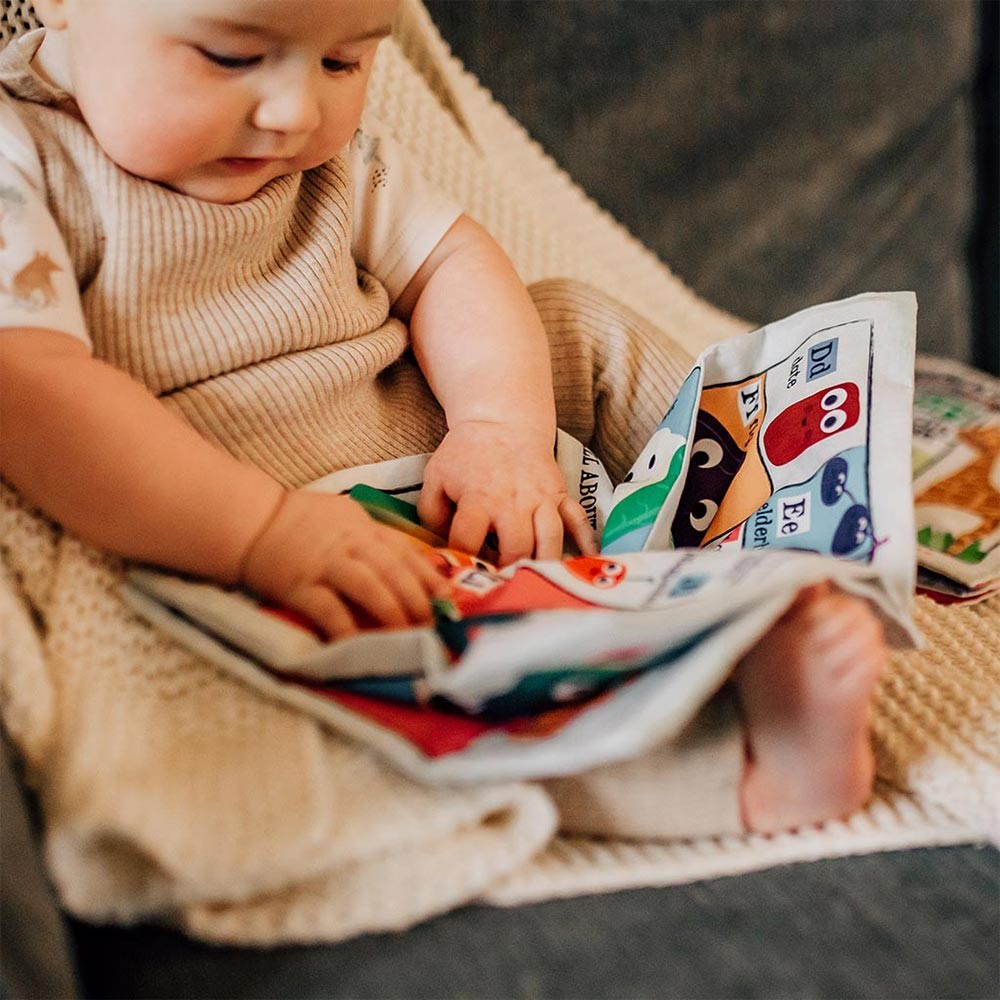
[
  {"x": 98, "y": 452},
  {"x": 480, "y": 343}
]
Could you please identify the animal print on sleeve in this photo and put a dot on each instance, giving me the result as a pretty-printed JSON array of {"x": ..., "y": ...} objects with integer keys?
[
  {"x": 37, "y": 283},
  {"x": 399, "y": 217}
]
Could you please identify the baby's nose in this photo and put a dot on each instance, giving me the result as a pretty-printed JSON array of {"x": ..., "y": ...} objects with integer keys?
[{"x": 293, "y": 108}]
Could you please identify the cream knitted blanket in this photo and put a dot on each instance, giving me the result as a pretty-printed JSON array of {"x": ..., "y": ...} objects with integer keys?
[{"x": 171, "y": 791}]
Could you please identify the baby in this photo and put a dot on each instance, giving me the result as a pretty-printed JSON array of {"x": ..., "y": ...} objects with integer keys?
[{"x": 223, "y": 271}]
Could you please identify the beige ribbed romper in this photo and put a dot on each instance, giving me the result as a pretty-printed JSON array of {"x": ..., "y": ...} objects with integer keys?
[{"x": 254, "y": 324}]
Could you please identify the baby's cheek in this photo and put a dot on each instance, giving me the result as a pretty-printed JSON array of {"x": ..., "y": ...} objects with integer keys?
[
  {"x": 145, "y": 141},
  {"x": 326, "y": 144},
  {"x": 341, "y": 118}
]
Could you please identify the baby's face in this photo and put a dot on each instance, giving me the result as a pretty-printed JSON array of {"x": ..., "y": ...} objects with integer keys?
[{"x": 214, "y": 98}]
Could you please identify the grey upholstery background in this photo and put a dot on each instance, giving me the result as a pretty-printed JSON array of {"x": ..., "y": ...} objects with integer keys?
[
  {"x": 774, "y": 154},
  {"x": 915, "y": 924},
  {"x": 35, "y": 955}
]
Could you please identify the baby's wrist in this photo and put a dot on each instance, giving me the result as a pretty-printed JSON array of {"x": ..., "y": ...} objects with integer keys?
[
  {"x": 540, "y": 431},
  {"x": 243, "y": 573}
]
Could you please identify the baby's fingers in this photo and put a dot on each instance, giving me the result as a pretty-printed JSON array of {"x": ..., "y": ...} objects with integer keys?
[
  {"x": 435, "y": 509},
  {"x": 325, "y": 610},
  {"x": 516, "y": 536},
  {"x": 431, "y": 580},
  {"x": 548, "y": 527},
  {"x": 469, "y": 527},
  {"x": 400, "y": 564},
  {"x": 414, "y": 583},
  {"x": 371, "y": 591},
  {"x": 575, "y": 519}
]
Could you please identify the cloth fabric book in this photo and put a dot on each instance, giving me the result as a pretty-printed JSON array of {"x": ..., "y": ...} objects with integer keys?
[{"x": 784, "y": 460}]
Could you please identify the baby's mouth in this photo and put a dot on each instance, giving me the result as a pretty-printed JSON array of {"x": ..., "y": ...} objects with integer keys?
[{"x": 245, "y": 162}]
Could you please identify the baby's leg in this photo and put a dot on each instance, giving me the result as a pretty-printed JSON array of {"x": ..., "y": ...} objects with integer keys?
[
  {"x": 615, "y": 374},
  {"x": 805, "y": 688},
  {"x": 802, "y": 755},
  {"x": 805, "y": 691}
]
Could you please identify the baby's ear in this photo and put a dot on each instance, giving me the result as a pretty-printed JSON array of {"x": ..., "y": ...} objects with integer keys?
[{"x": 52, "y": 13}]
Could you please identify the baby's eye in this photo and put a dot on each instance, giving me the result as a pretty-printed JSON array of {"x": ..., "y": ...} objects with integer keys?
[
  {"x": 340, "y": 66},
  {"x": 230, "y": 62}
]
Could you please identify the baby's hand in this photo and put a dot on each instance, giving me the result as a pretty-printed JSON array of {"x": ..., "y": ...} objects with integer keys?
[
  {"x": 495, "y": 476},
  {"x": 321, "y": 554}
]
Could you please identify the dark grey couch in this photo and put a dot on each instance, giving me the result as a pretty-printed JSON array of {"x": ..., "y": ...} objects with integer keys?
[
  {"x": 778, "y": 153},
  {"x": 775, "y": 154}
]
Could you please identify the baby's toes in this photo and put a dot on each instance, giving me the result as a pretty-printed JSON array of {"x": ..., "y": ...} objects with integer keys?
[
  {"x": 808, "y": 604},
  {"x": 853, "y": 653},
  {"x": 818, "y": 617},
  {"x": 856, "y": 625},
  {"x": 838, "y": 617}
]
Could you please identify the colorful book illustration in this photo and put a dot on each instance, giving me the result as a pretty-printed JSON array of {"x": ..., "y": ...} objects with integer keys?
[
  {"x": 779, "y": 464},
  {"x": 956, "y": 486}
]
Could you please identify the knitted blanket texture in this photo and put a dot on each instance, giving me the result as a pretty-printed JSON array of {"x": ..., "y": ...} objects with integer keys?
[{"x": 172, "y": 792}]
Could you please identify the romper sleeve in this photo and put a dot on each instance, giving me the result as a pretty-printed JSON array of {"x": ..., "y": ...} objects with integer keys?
[
  {"x": 37, "y": 281},
  {"x": 399, "y": 218}
]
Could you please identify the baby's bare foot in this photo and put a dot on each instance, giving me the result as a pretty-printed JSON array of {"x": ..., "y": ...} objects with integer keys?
[{"x": 805, "y": 691}]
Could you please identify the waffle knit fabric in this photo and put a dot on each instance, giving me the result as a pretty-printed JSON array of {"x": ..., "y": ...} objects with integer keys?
[{"x": 82, "y": 684}]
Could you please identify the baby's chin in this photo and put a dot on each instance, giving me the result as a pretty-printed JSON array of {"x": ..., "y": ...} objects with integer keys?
[
  {"x": 228, "y": 182},
  {"x": 222, "y": 190}
]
